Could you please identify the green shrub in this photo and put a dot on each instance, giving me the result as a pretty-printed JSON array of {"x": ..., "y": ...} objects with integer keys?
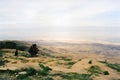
[
  {"x": 71, "y": 63},
  {"x": 31, "y": 71},
  {"x": 22, "y": 77},
  {"x": 27, "y": 78},
  {"x": 65, "y": 59},
  {"x": 73, "y": 76},
  {"x": 44, "y": 70},
  {"x": 2, "y": 62},
  {"x": 79, "y": 76},
  {"x": 114, "y": 66},
  {"x": 60, "y": 63},
  {"x": 106, "y": 73},
  {"x": 49, "y": 78},
  {"x": 90, "y": 62},
  {"x": 12, "y": 72},
  {"x": 95, "y": 70},
  {"x": 105, "y": 62},
  {"x": 23, "y": 60},
  {"x": 25, "y": 54}
]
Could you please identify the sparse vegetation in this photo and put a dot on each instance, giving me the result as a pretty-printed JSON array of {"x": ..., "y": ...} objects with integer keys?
[
  {"x": 65, "y": 59},
  {"x": 65, "y": 62},
  {"x": 23, "y": 77},
  {"x": 44, "y": 74},
  {"x": 95, "y": 70},
  {"x": 113, "y": 66},
  {"x": 25, "y": 54},
  {"x": 44, "y": 70},
  {"x": 70, "y": 64},
  {"x": 60, "y": 63},
  {"x": 49, "y": 78},
  {"x": 3, "y": 62},
  {"x": 23, "y": 60},
  {"x": 73, "y": 76},
  {"x": 105, "y": 62},
  {"x": 62, "y": 66},
  {"x": 31, "y": 71}
]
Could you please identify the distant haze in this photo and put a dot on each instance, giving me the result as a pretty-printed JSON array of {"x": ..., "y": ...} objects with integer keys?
[{"x": 60, "y": 20}]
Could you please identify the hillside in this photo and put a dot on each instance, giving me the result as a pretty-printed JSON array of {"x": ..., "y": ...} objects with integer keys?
[
  {"x": 84, "y": 48},
  {"x": 62, "y": 61}
]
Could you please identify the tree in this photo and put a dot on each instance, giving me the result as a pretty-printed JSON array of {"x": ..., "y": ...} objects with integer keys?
[
  {"x": 16, "y": 52},
  {"x": 8, "y": 44},
  {"x": 33, "y": 50}
]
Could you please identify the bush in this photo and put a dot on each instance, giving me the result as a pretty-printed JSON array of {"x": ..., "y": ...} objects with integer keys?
[
  {"x": 95, "y": 70},
  {"x": 25, "y": 54},
  {"x": 23, "y": 60},
  {"x": 73, "y": 76},
  {"x": 12, "y": 72},
  {"x": 114, "y": 66},
  {"x": 21, "y": 76},
  {"x": 90, "y": 62},
  {"x": 31, "y": 71},
  {"x": 105, "y": 62},
  {"x": 44, "y": 70},
  {"x": 106, "y": 73},
  {"x": 71, "y": 63},
  {"x": 49, "y": 78},
  {"x": 2, "y": 62}
]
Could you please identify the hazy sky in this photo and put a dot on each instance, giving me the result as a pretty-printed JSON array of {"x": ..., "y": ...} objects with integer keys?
[{"x": 60, "y": 19}]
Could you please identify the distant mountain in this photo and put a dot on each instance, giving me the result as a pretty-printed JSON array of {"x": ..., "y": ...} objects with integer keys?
[
  {"x": 85, "y": 48},
  {"x": 60, "y": 47}
]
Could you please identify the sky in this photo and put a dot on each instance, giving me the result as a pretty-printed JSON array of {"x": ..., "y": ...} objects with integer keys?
[{"x": 60, "y": 20}]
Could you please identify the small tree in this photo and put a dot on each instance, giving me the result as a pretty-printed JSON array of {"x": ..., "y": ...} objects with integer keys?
[
  {"x": 33, "y": 50},
  {"x": 90, "y": 62},
  {"x": 16, "y": 52},
  {"x": 1, "y": 55}
]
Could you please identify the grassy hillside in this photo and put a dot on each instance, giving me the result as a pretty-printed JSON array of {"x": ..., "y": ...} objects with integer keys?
[{"x": 59, "y": 63}]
